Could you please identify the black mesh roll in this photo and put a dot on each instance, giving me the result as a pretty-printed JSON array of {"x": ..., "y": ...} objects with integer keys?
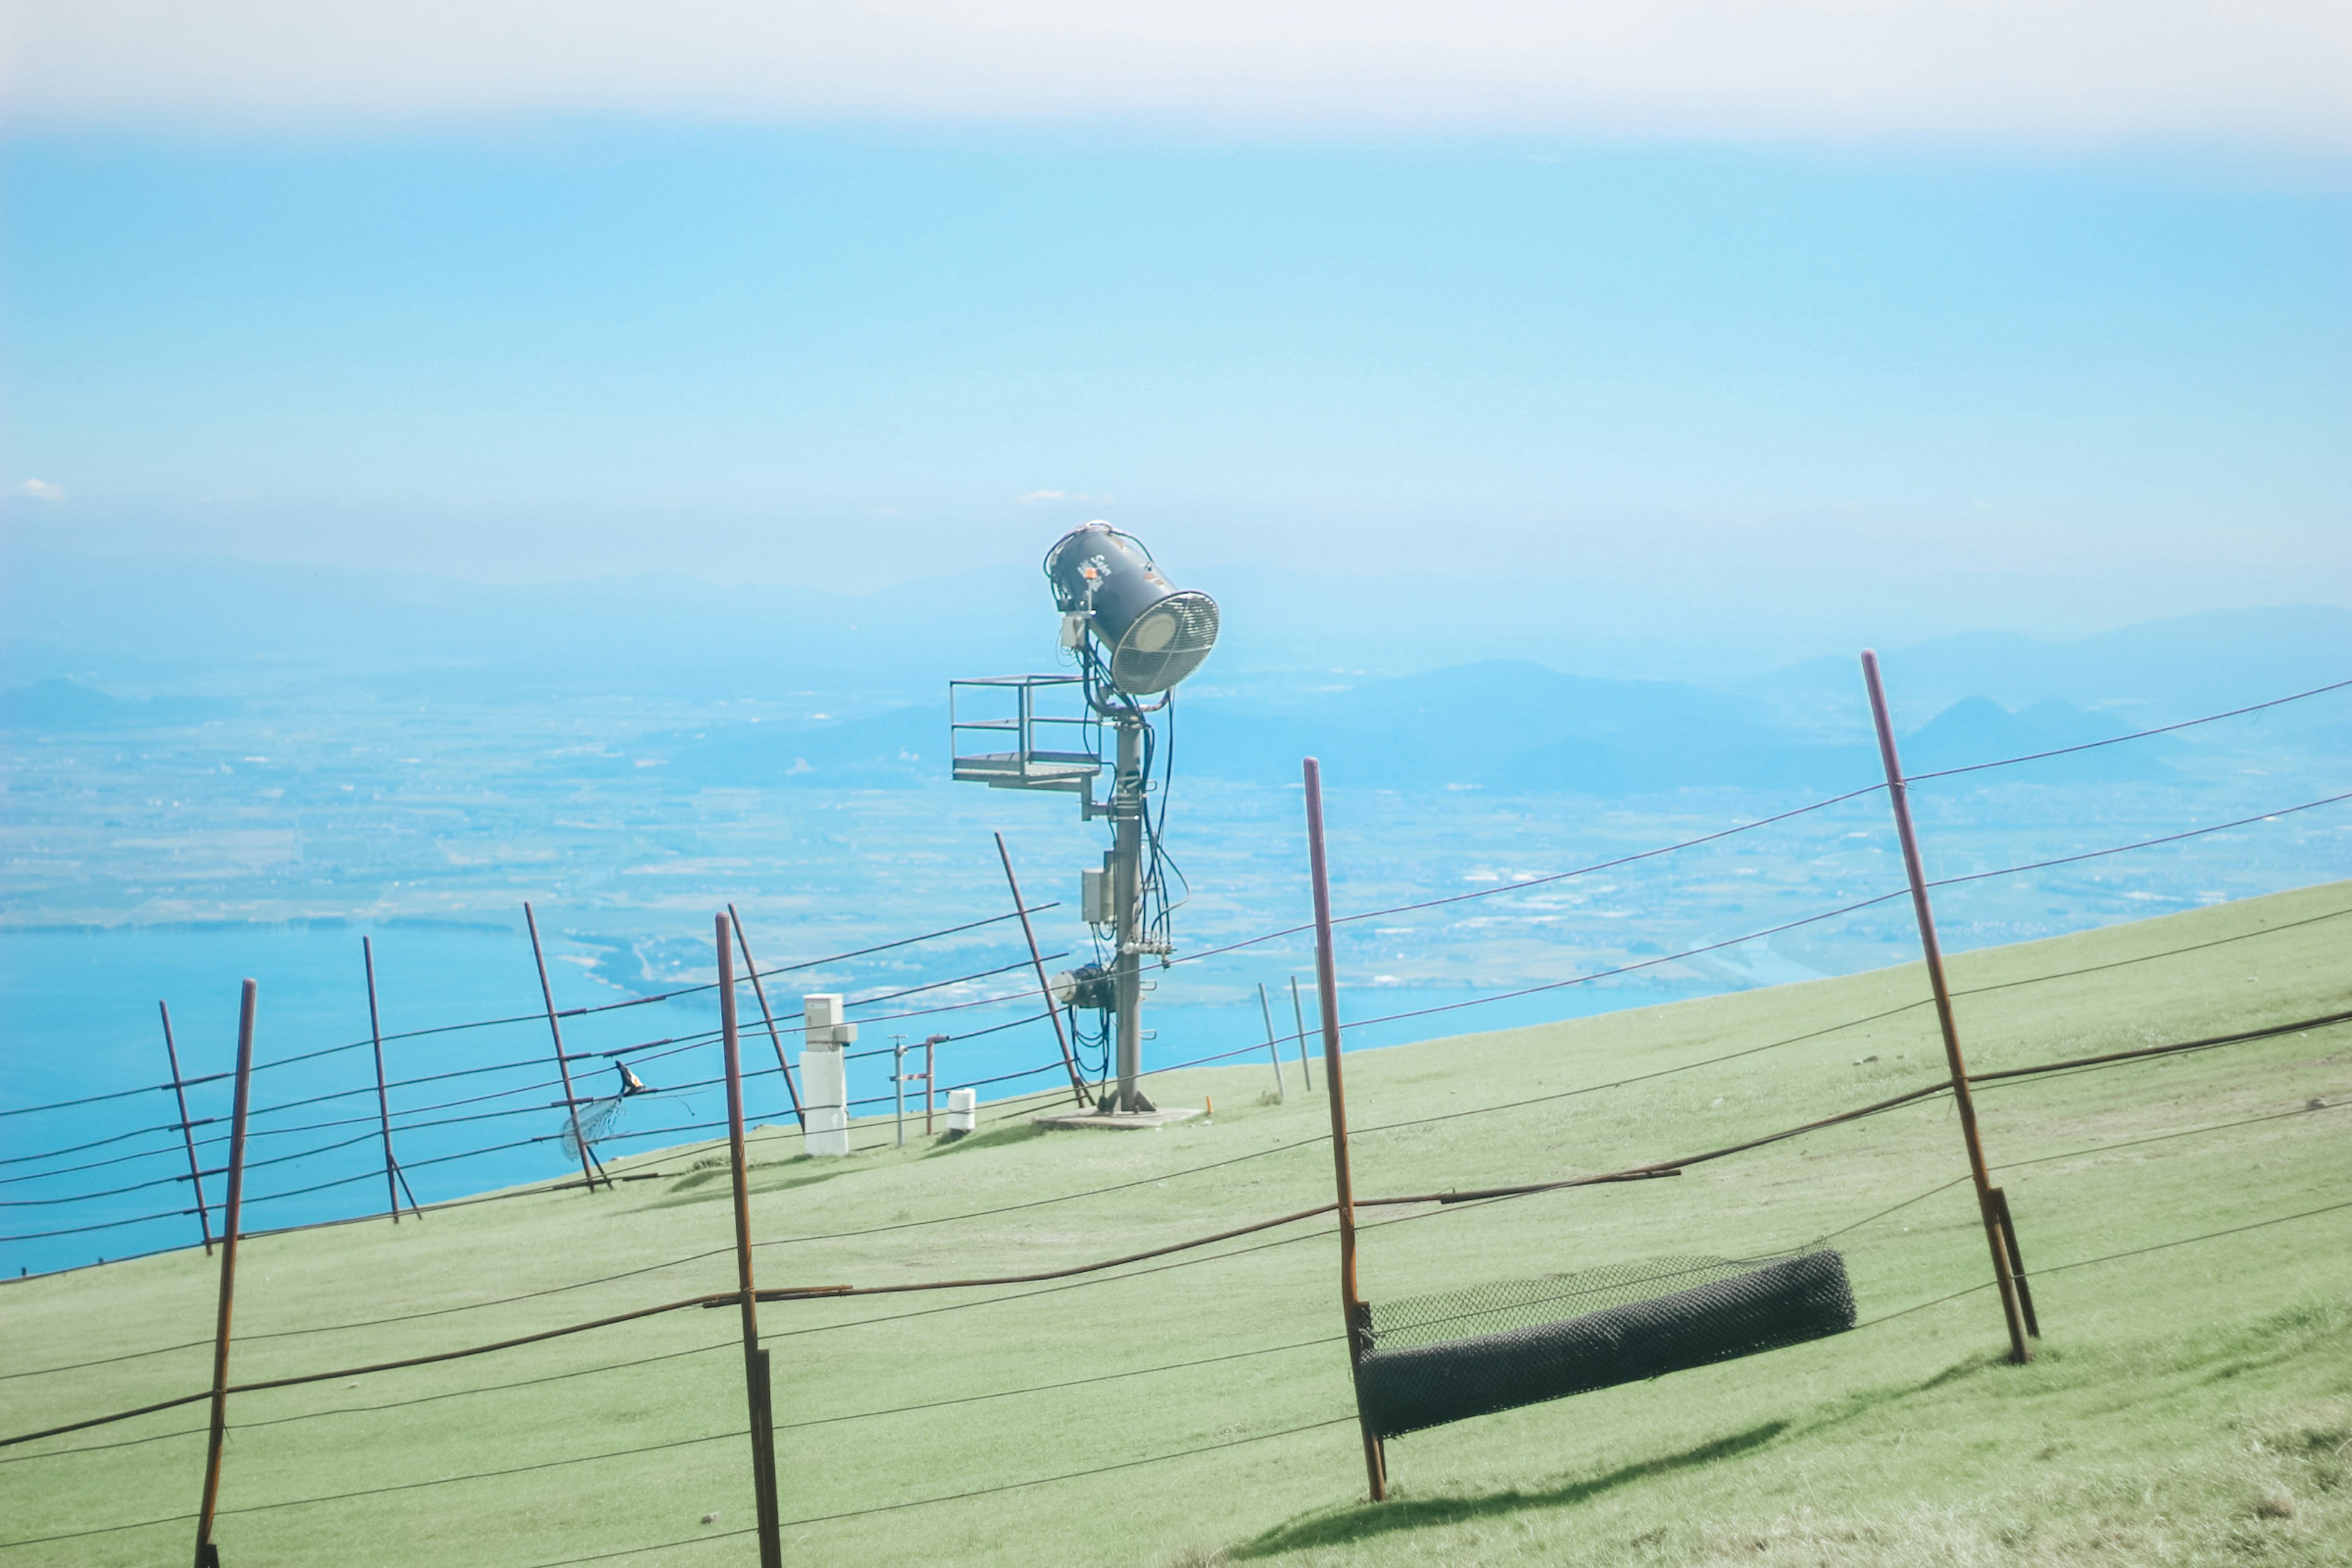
[{"x": 1409, "y": 1380}]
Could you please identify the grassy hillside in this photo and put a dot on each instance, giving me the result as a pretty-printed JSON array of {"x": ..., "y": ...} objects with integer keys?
[{"x": 2191, "y": 1404}]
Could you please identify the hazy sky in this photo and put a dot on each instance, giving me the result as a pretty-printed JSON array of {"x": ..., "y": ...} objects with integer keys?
[{"x": 2040, "y": 315}]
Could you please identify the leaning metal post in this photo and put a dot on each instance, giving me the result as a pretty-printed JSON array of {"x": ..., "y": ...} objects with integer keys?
[
  {"x": 232, "y": 1216},
  {"x": 1045, "y": 986},
  {"x": 755, "y": 1360},
  {"x": 187, "y": 1128},
  {"x": 1327, "y": 983},
  {"x": 383, "y": 1098},
  {"x": 775, "y": 1039},
  {"x": 1273, "y": 1043},
  {"x": 1990, "y": 1204},
  {"x": 563, "y": 1067}
]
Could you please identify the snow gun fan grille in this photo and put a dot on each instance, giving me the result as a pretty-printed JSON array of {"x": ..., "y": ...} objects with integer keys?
[
  {"x": 1433, "y": 1358},
  {"x": 1165, "y": 644}
]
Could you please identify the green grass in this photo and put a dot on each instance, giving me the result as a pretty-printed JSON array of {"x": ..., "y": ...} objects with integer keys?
[{"x": 2189, "y": 1405}]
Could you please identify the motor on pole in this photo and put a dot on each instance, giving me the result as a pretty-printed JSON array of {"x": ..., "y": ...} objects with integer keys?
[{"x": 1133, "y": 635}]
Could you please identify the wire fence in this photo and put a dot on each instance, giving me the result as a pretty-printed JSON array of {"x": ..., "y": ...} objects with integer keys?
[{"x": 1013, "y": 1290}]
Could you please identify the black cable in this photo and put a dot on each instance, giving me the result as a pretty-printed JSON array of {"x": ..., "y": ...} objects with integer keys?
[
  {"x": 1540, "y": 882},
  {"x": 1831, "y": 915},
  {"x": 1368, "y": 914},
  {"x": 1098, "y": 1469},
  {"x": 2145, "y": 957},
  {"x": 1022, "y": 963},
  {"x": 959, "y": 1497},
  {"x": 2141, "y": 844},
  {"x": 1245, "y": 1050},
  {"x": 730, "y": 1343},
  {"x": 1629, "y": 968},
  {"x": 103, "y": 1360},
  {"x": 103, "y": 1225},
  {"x": 98, "y": 1143},
  {"x": 1054, "y": 1387},
  {"x": 90, "y": 1165},
  {"x": 2134, "y": 735},
  {"x": 103, "y": 1447},
  {"x": 534, "y": 1017},
  {"x": 2167, "y": 1137},
  {"x": 95, "y": 1099},
  {"x": 2106, "y": 1258},
  {"x": 1027, "y": 994},
  {"x": 378, "y": 1492},
  {"x": 1469, "y": 1201}
]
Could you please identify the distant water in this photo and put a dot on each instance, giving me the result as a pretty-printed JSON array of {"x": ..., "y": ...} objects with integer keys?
[{"x": 77, "y": 1017}]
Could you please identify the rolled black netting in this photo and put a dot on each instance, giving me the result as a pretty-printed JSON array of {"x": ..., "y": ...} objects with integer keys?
[{"x": 1435, "y": 1359}]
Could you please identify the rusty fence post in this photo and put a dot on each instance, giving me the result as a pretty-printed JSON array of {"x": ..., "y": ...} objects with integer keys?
[
  {"x": 1991, "y": 1206},
  {"x": 232, "y": 1215},
  {"x": 775, "y": 1038},
  {"x": 563, "y": 1067},
  {"x": 187, "y": 1128},
  {"x": 1045, "y": 986},
  {"x": 755, "y": 1360},
  {"x": 1326, "y": 990}
]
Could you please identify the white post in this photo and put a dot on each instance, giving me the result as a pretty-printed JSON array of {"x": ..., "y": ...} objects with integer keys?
[
  {"x": 964, "y": 1111},
  {"x": 825, "y": 1080}
]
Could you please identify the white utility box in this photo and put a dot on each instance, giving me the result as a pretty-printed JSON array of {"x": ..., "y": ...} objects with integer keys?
[
  {"x": 824, "y": 1080},
  {"x": 964, "y": 1111}
]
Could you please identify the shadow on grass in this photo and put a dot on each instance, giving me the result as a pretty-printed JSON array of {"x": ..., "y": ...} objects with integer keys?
[
  {"x": 713, "y": 1182},
  {"x": 995, "y": 1138},
  {"x": 1363, "y": 1521}
]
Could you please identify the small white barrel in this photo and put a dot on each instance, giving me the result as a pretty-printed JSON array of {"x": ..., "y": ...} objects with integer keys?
[{"x": 964, "y": 1111}]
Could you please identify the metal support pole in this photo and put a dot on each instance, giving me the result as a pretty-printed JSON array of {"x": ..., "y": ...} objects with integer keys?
[
  {"x": 392, "y": 1177},
  {"x": 187, "y": 1129},
  {"x": 2016, "y": 1262},
  {"x": 563, "y": 1067},
  {"x": 1045, "y": 987},
  {"x": 1126, "y": 806},
  {"x": 930, "y": 1079},
  {"x": 1354, "y": 1313},
  {"x": 232, "y": 1218},
  {"x": 755, "y": 1360},
  {"x": 775, "y": 1038},
  {"x": 1273, "y": 1047},
  {"x": 1298, "y": 1013},
  {"x": 1898, "y": 797},
  {"x": 898, "y": 1085}
]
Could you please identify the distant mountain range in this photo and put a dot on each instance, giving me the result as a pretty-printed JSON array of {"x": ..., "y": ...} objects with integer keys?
[
  {"x": 80, "y": 631},
  {"x": 63, "y": 706},
  {"x": 1508, "y": 726}
]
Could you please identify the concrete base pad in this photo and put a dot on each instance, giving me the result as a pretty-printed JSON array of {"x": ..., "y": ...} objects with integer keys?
[{"x": 1115, "y": 1119}]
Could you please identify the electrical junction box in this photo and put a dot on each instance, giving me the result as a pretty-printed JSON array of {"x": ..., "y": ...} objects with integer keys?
[
  {"x": 824, "y": 1085},
  {"x": 1094, "y": 896},
  {"x": 820, "y": 1024}
]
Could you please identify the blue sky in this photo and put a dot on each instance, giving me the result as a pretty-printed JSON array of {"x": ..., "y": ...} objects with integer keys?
[{"x": 2049, "y": 384}]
